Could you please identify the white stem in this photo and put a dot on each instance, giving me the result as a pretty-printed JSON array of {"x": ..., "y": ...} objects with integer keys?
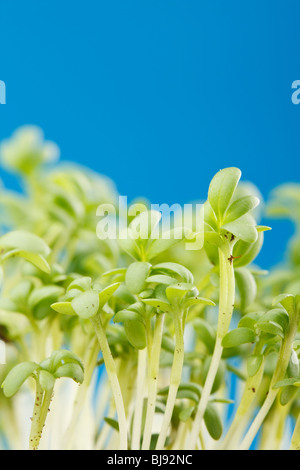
[
  {"x": 153, "y": 380},
  {"x": 175, "y": 379},
  {"x": 138, "y": 407},
  {"x": 111, "y": 370},
  {"x": 226, "y": 304}
]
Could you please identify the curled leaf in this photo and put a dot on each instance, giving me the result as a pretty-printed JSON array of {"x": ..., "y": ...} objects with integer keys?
[{"x": 17, "y": 376}]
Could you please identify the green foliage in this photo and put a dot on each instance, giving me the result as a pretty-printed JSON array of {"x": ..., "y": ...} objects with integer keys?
[
  {"x": 60, "y": 364},
  {"x": 114, "y": 303}
]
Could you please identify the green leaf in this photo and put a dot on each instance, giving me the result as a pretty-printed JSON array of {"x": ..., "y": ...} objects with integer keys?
[
  {"x": 129, "y": 245},
  {"x": 205, "y": 333},
  {"x": 243, "y": 228},
  {"x": 42, "y": 293},
  {"x": 250, "y": 319},
  {"x": 25, "y": 241},
  {"x": 86, "y": 305},
  {"x": 270, "y": 327},
  {"x": 175, "y": 268},
  {"x": 214, "y": 239},
  {"x": 213, "y": 422},
  {"x": 34, "y": 258},
  {"x": 287, "y": 382},
  {"x": 71, "y": 370},
  {"x": 244, "y": 252},
  {"x": 81, "y": 284},
  {"x": 113, "y": 423},
  {"x": 46, "y": 380},
  {"x": 247, "y": 287},
  {"x": 221, "y": 190},
  {"x": 277, "y": 318},
  {"x": 167, "y": 240},
  {"x": 237, "y": 337},
  {"x": 263, "y": 228},
  {"x": 136, "y": 333},
  {"x": 17, "y": 376},
  {"x": 175, "y": 293},
  {"x": 186, "y": 413},
  {"x": 253, "y": 364},
  {"x": 136, "y": 275},
  {"x": 161, "y": 279},
  {"x": 210, "y": 220},
  {"x": 106, "y": 293},
  {"x": 144, "y": 224},
  {"x": 240, "y": 207},
  {"x": 287, "y": 301},
  {"x": 116, "y": 272},
  {"x": 63, "y": 356},
  {"x": 65, "y": 308},
  {"x": 198, "y": 300},
  {"x": 287, "y": 394},
  {"x": 123, "y": 315},
  {"x": 188, "y": 391},
  {"x": 159, "y": 304}
]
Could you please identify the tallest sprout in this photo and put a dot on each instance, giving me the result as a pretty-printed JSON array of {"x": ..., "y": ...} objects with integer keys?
[{"x": 230, "y": 233}]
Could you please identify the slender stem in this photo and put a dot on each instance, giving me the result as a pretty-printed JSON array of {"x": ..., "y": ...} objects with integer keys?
[
  {"x": 226, "y": 304},
  {"x": 175, "y": 379},
  {"x": 40, "y": 411},
  {"x": 153, "y": 380},
  {"x": 295, "y": 442},
  {"x": 89, "y": 367},
  {"x": 279, "y": 373},
  {"x": 34, "y": 438},
  {"x": 138, "y": 409},
  {"x": 236, "y": 429},
  {"x": 113, "y": 378},
  {"x": 273, "y": 427}
]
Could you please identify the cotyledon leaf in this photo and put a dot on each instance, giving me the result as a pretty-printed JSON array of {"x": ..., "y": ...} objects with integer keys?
[{"x": 17, "y": 376}]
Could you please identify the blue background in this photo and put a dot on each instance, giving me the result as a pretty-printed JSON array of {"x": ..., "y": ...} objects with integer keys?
[{"x": 159, "y": 95}]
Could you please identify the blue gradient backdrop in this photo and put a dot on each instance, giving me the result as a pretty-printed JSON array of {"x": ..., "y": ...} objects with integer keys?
[{"x": 159, "y": 95}]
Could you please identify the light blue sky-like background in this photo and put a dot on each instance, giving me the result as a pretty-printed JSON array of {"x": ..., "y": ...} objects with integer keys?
[{"x": 159, "y": 95}]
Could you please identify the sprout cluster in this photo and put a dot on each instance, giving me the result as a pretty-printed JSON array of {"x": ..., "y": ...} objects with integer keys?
[{"x": 152, "y": 335}]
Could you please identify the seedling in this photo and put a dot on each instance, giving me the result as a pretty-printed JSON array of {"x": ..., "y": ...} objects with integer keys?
[
  {"x": 152, "y": 331},
  {"x": 61, "y": 363}
]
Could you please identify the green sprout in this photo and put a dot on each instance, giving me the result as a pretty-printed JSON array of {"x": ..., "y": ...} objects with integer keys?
[
  {"x": 156, "y": 329},
  {"x": 61, "y": 363}
]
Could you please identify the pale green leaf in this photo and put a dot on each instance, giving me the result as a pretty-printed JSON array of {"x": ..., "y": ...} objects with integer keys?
[
  {"x": 247, "y": 287},
  {"x": 24, "y": 241},
  {"x": 159, "y": 304},
  {"x": 17, "y": 376},
  {"x": 65, "y": 308},
  {"x": 136, "y": 333},
  {"x": 221, "y": 190},
  {"x": 71, "y": 370},
  {"x": 238, "y": 336},
  {"x": 175, "y": 268},
  {"x": 136, "y": 275},
  {"x": 243, "y": 228},
  {"x": 86, "y": 305},
  {"x": 107, "y": 293},
  {"x": 240, "y": 207},
  {"x": 46, "y": 380}
]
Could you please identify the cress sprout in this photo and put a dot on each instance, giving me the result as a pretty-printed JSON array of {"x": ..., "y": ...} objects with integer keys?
[{"x": 153, "y": 333}]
